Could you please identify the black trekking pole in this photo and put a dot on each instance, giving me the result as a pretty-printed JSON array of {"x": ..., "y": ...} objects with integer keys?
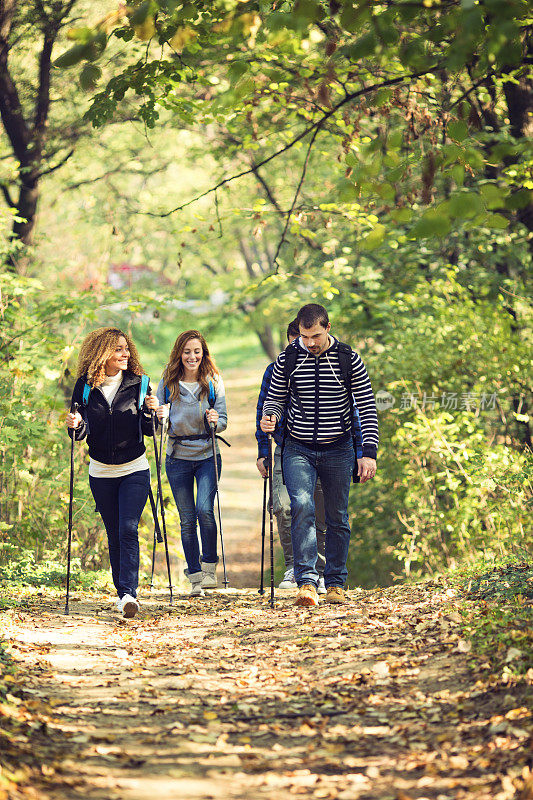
[
  {"x": 212, "y": 425},
  {"x": 71, "y": 501},
  {"x": 263, "y": 526},
  {"x": 271, "y": 516},
  {"x": 157, "y": 530},
  {"x": 160, "y": 494}
]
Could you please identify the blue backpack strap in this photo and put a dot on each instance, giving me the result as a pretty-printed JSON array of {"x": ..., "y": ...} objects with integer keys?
[
  {"x": 167, "y": 395},
  {"x": 145, "y": 380},
  {"x": 211, "y": 397},
  {"x": 85, "y": 395}
]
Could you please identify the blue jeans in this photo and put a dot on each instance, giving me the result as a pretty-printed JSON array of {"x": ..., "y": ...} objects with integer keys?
[
  {"x": 181, "y": 475},
  {"x": 120, "y": 502},
  {"x": 301, "y": 468}
]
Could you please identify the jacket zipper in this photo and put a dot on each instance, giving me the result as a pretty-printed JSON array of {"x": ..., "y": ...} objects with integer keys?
[{"x": 317, "y": 383}]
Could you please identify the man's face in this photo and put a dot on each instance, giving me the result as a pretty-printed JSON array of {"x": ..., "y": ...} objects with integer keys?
[{"x": 316, "y": 338}]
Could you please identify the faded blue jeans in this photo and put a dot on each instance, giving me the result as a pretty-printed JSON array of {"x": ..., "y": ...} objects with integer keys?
[
  {"x": 181, "y": 475},
  {"x": 301, "y": 468}
]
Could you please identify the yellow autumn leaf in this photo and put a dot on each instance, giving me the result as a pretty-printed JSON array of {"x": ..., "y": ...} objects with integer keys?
[
  {"x": 182, "y": 37},
  {"x": 146, "y": 30}
]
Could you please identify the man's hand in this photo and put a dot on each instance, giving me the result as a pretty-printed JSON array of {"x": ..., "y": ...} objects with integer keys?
[
  {"x": 268, "y": 424},
  {"x": 366, "y": 468},
  {"x": 261, "y": 466}
]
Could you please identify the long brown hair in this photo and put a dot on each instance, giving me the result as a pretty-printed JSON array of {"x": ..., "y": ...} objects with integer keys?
[
  {"x": 97, "y": 348},
  {"x": 174, "y": 370}
]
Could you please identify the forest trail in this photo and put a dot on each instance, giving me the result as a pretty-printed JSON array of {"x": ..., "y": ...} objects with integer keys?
[
  {"x": 241, "y": 486},
  {"x": 223, "y": 698}
]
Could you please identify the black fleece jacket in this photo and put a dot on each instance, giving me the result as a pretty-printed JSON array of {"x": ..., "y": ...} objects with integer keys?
[{"x": 113, "y": 432}]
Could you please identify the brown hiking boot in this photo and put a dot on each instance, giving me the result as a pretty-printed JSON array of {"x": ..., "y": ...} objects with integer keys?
[
  {"x": 336, "y": 594},
  {"x": 307, "y": 596}
]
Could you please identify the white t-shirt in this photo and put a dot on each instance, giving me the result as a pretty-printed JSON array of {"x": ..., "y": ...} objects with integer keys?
[
  {"x": 109, "y": 387},
  {"x": 191, "y": 386}
]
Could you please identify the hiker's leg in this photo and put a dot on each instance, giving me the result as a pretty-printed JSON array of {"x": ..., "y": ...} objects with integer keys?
[
  {"x": 335, "y": 469},
  {"x": 320, "y": 520},
  {"x": 205, "y": 500},
  {"x": 132, "y": 497},
  {"x": 299, "y": 468},
  {"x": 180, "y": 474},
  {"x": 282, "y": 509},
  {"x": 105, "y": 493}
]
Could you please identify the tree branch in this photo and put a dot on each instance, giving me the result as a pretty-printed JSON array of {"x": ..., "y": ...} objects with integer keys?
[
  {"x": 295, "y": 198},
  {"x": 7, "y": 196},
  {"x": 315, "y": 125}
]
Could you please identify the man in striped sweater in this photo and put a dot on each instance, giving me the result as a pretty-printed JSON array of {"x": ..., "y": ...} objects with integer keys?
[{"x": 318, "y": 444}]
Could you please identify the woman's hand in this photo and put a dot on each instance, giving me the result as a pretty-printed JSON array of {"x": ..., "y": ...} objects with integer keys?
[
  {"x": 74, "y": 420},
  {"x": 212, "y": 416},
  {"x": 151, "y": 402},
  {"x": 163, "y": 412}
]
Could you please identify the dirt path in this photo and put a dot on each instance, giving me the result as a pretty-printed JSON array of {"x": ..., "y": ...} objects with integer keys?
[
  {"x": 241, "y": 485},
  {"x": 221, "y": 697}
]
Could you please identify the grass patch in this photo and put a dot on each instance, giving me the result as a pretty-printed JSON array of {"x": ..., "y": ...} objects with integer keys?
[{"x": 496, "y": 602}]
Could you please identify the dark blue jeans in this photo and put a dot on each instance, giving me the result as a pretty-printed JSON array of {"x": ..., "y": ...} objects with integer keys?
[
  {"x": 301, "y": 467},
  {"x": 120, "y": 502},
  {"x": 181, "y": 475}
]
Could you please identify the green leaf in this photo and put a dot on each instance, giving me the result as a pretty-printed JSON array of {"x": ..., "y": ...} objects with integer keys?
[
  {"x": 458, "y": 130},
  {"x": 433, "y": 222},
  {"x": 374, "y": 238},
  {"x": 352, "y": 17},
  {"x": 496, "y": 222},
  {"x": 140, "y": 14},
  {"x": 493, "y": 195},
  {"x": 402, "y": 215},
  {"x": 465, "y": 205},
  {"x": 363, "y": 47},
  {"x": 72, "y": 56},
  {"x": 346, "y": 191},
  {"x": 89, "y": 77},
  {"x": 520, "y": 199}
]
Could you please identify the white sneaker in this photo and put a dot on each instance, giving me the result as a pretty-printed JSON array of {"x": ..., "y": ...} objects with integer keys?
[
  {"x": 209, "y": 577},
  {"x": 128, "y": 606},
  {"x": 321, "y": 588},
  {"x": 288, "y": 581},
  {"x": 196, "y": 583}
]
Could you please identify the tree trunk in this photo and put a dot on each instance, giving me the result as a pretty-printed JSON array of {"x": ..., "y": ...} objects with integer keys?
[{"x": 266, "y": 337}]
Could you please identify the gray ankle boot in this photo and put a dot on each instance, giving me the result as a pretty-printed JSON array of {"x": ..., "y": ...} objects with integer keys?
[
  {"x": 209, "y": 578},
  {"x": 196, "y": 583}
]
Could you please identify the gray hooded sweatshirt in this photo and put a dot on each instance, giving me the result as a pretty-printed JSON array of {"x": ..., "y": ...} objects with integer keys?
[{"x": 187, "y": 418}]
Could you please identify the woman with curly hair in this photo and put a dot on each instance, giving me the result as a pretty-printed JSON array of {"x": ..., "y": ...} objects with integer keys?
[
  {"x": 108, "y": 392},
  {"x": 184, "y": 394}
]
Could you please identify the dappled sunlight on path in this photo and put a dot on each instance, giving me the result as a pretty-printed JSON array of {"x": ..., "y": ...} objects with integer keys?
[{"x": 222, "y": 697}]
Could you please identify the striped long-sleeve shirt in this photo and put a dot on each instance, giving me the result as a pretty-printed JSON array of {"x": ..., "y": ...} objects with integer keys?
[{"x": 323, "y": 398}]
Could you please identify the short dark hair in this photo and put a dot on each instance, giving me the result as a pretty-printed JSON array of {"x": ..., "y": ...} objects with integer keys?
[
  {"x": 293, "y": 329},
  {"x": 310, "y": 314}
]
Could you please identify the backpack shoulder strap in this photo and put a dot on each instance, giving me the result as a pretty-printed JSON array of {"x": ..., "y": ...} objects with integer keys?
[
  {"x": 291, "y": 356},
  {"x": 145, "y": 380},
  {"x": 212, "y": 396},
  {"x": 86, "y": 393},
  {"x": 166, "y": 394},
  {"x": 345, "y": 363}
]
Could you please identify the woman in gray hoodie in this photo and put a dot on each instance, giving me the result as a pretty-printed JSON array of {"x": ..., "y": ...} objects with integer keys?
[{"x": 183, "y": 393}]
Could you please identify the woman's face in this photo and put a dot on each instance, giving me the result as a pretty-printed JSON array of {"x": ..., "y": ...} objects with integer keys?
[
  {"x": 191, "y": 356},
  {"x": 119, "y": 359}
]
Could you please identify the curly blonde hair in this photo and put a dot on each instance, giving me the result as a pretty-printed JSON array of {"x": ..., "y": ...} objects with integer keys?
[
  {"x": 97, "y": 348},
  {"x": 174, "y": 370}
]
